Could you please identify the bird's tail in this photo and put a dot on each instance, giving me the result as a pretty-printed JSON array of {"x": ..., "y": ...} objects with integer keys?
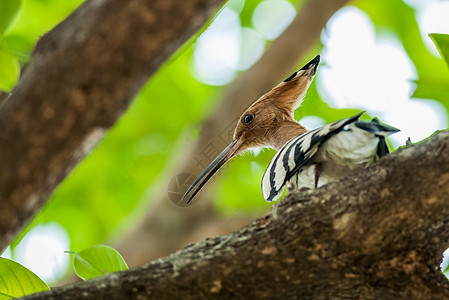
[{"x": 381, "y": 130}]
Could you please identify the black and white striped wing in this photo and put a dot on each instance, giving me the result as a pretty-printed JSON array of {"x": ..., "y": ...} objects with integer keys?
[{"x": 295, "y": 154}]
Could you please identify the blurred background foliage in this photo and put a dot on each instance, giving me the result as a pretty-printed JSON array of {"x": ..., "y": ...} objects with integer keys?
[{"x": 113, "y": 186}]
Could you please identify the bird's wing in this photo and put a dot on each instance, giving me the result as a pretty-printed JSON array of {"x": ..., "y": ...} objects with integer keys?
[{"x": 295, "y": 154}]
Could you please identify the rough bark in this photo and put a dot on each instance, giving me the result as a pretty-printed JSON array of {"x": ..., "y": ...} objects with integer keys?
[
  {"x": 82, "y": 76},
  {"x": 377, "y": 234},
  {"x": 149, "y": 239}
]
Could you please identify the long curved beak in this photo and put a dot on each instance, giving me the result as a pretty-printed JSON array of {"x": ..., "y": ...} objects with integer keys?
[{"x": 228, "y": 153}]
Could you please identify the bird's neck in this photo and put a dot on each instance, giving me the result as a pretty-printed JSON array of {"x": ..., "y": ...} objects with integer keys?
[{"x": 285, "y": 132}]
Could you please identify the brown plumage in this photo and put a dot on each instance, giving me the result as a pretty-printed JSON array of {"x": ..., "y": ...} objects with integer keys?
[{"x": 268, "y": 122}]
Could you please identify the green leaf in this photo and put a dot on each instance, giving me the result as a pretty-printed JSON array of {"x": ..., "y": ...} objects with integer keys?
[
  {"x": 97, "y": 261},
  {"x": 9, "y": 9},
  {"x": 17, "y": 281},
  {"x": 442, "y": 43},
  {"x": 9, "y": 71}
]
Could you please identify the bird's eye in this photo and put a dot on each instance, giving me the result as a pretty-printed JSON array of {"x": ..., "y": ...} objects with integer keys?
[{"x": 248, "y": 119}]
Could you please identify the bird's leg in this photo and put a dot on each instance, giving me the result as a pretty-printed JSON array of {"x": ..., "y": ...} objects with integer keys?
[{"x": 317, "y": 173}]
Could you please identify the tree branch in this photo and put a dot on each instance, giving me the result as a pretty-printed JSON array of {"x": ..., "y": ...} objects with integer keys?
[
  {"x": 377, "y": 234},
  {"x": 82, "y": 76}
]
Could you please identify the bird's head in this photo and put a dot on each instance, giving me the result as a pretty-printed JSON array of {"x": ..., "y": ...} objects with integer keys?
[{"x": 268, "y": 122}]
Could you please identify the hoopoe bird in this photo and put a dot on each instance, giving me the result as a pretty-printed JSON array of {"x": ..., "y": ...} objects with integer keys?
[{"x": 304, "y": 159}]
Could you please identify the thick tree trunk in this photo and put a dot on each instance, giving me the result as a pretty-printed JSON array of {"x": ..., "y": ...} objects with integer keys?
[
  {"x": 82, "y": 76},
  {"x": 377, "y": 234}
]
